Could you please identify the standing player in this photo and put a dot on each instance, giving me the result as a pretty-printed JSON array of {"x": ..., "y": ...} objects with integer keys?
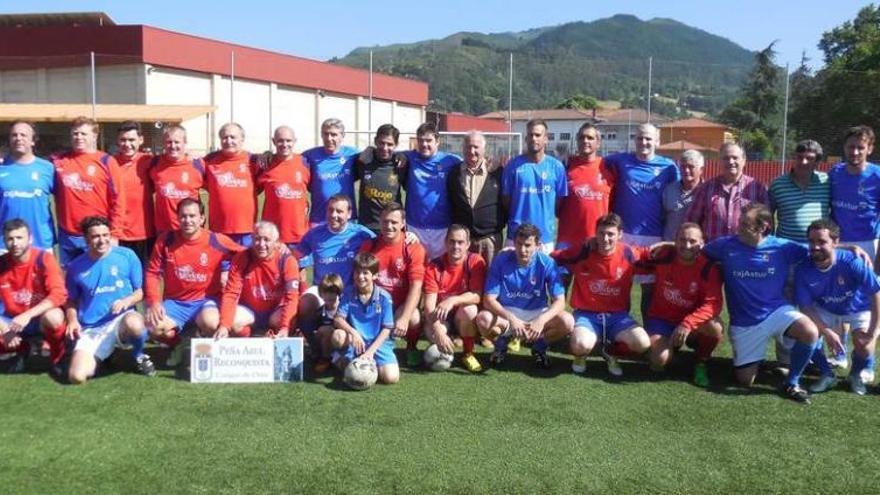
[
  {"x": 427, "y": 200},
  {"x": 402, "y": 274},
  {"x": 285, "y": 183},
  {"x": 838, "y": 289},
  {"x": 87, "y": 183},
  {"x": 26, "y": 183},
  {"x": 188, "y": 261},
  {"x": 379, "y": 177},
  {"x": 855, "y": 192},
  {"x": 686, "y": 303},
  {"x": 453, "y": 289},
  {"x": 754, "y": 265},
  {"x": 104, "y": 284},
  {"x": 32, "y": 291},
  {"x": 262, "y": 290},
  {"x": 175, "y": 176},
  {"x": 603, "y": 270},
  {"x": 640, "y": 179},
  {"x": 332, "y": 170},
  {"x": 532, "y": 187},
  {"x": 589, "y": 190},
  {"x": 139, "y": 230},
  {"x": 229, "y": 178},
  {"x": 518, "y": 286}
]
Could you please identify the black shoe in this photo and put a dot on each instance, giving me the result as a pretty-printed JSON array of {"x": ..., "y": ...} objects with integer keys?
[
  {"x": 145, "y": 365},
  {"x": 796, "y": 394},
  {"x": 541, "y": 360},
  {"x": 497, "y": 358},
  {"x": 17, "y": 365}
]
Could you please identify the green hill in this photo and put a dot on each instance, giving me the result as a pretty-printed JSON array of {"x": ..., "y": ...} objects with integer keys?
[{"x": 607, "y": 58}]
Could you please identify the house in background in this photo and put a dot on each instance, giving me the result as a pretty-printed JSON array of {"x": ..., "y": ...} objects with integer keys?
[{"x": 699, "y": 134}]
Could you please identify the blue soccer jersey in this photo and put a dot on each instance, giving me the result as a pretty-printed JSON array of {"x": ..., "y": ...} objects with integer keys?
[
  {"x": 427, "y": 203},
  {"x": 524, "y": 287},
  {"x": 94, "y": 285},
  {"x": 754, "y": 277},
  {"x": 638, "y": 191},
  {"x": 533, "y": 189},
  {"x": 333, "y": 252},
  {"x": 330, "y": 174},
  {"x": 367, "y": 318},
  {"x": 843, "y": 289},
  {"x": 855, "y": 202},
  {"x": 25, "y": 190}
]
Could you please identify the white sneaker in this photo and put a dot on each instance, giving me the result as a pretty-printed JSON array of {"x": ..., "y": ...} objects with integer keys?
[
  {"x": 868, "y": 376},
  {"x": 613, "y": 366},
  {"x": 579, "y": 364},
  {"x": 839, "y": 362},
  {"x": 857, "y": 385}
]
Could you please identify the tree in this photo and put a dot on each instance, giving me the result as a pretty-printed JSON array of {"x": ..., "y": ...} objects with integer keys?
[{"x": 579, "y": 102}]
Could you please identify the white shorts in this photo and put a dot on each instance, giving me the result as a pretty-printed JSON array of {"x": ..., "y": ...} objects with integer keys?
[
  {"x": 869, "y": 246},
  {"x": 857, "y": 321},
  {"x": 313, "y": 291},
  {"x": 102, "y": 340},
  {"x": 642, "y": 241},
  {"x": 525, "y": 315},
  {"x": 546, "y": 247},
  {"x": 434, "y": 240},
  {"x": 750, "y": 343}
]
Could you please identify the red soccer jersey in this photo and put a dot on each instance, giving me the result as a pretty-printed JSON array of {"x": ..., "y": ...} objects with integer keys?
[
  {"x": 89, "y": 184},
  {"x": 190, "y": 268},
  {"x": 602, "y": 283},
  {"x": 138, "y": 189},
  {"x": 589, "y": 196},
  {"x": 286, "y": 185},
  {"x": 684, "y": 294},
  {"x": 446, "y": 279},
  {"x": 232, "y": 200},
  {"x": 400, "y": 265},
  {"x": 262, "y": 286},
  {"x": 174, "y": 181},
  {"x": 24, "y": 285}
]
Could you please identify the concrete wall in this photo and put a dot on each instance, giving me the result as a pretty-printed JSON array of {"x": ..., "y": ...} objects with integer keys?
[{"x": 114, "y": 84}]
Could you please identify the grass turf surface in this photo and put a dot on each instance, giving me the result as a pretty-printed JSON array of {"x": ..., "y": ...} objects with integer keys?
[{"x": 512, "y": 430}]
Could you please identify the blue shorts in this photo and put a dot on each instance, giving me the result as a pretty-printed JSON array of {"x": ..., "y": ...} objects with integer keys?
[
  {"x": 384, "y": 354},
  {"x": 613, "y": 323},
  {"x": 69, "y": 247},
  {"x": 32, "y": 328},
  {"x": 261, "y": 319},
  {"x": 183, "y": 312},
  {"x": 246, "y": 240},
  {"x": 655, "y": 326}
]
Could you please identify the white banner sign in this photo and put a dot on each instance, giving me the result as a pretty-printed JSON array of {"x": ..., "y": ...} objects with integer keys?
[{"x": 246, "y": 360}]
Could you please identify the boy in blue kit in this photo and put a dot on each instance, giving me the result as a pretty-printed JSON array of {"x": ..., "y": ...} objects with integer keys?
[
  {"x": 364, "y": 321},
  {"x": 835, "y": 289},
  {"x": 103, "y": 285}
]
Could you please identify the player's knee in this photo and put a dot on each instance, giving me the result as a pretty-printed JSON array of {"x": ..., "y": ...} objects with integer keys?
[
  {"x": 52, "y": 318},
  {"x": 77, "y": 376},
  {"x": 339, "y": 339},
  {"x": 483, "y": 320},
  {"x": 582, "y": 341},
  {"x": 389, "y": 374},
  {"x": 713, "y": 328},
  {"x": 133, "y": 323}
]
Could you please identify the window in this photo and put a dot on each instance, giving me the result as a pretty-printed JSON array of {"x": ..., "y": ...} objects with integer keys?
[
  {"x": 565, "y": 136},
  {"x": 551, "y": 136}
]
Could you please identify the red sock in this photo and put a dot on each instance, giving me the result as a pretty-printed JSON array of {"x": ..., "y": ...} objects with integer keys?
[
  {"x": 467, "y": 343},
  {"x": 55, "y": 338},
  {"x": 705, "y": 345},
  {"x": 244, "y": 331},
  {"x": 620, "y": 349},
  {"x": 412, "y": 338}
]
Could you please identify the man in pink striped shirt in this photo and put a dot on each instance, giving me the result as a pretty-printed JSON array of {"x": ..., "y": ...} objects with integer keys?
[{"x": 718, "y": 201}]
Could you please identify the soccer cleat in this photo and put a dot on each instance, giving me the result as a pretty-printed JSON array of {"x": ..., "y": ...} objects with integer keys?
[
  {"x": 613, "y": 366},
  {"x": 839, "y": 361},
  {"x": 18, "y": 365},
  {"x": 701, "y": 375},
  {"x": 514, "y": 345},
  {"x": 413, "y": 358},
  {"x": 825, "y": 383},
  {"x": 471, "y": 363},
  {"x": 542, "y": 361},
  {"x": 796, "y": 394},
  {"x": 145, "y": 365},
  {"x": 857, "y": 385},
  {"x": 175, "y": 357},
  {"x": 498, "y": 356},
  {"x": 867, "y": 376},
  {"x": 579, "y": 364}
]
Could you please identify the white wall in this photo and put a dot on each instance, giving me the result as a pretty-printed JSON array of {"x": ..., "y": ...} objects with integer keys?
[
  {"x": 114, "y": 84},
  {"x": 175, "y": 87},
  {"x": 296, "y": 108}
]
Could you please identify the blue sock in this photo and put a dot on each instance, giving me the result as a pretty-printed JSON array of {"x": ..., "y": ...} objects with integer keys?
[
  {"x": 859, "y": 363},
  {"x": 800, "y": 358},
  {"x": 821, "y": 360},
  {"x": 501, "y": 343},
  {"x": 869, "y": 363},
  {"x": 540, "y": 345},
  {"x": 137, "y": 344}
]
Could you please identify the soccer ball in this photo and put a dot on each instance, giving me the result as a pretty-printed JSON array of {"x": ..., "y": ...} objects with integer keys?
[
  {"x": 436, "y": 360},
  {"x": 360, "y": 374}
]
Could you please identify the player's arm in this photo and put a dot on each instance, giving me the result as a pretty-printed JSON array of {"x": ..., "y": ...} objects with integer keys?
[
  {"x": 56, "y": 297},
  {"x": 70, "y": 307},
  {"x": 340, "y": 321},
  {"x": 116, "y": 198},
  {"x": 155, "y": 313},
  {"x": 713, "y": 300},
  {"x": 290, "y": 301},
  {"x": 874, "y": 325},
  {"x": 231, "y": 294},
  {"x": 416, "y": 274}
]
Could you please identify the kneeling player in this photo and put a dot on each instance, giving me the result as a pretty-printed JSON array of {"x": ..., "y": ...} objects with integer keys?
[
  {"x": 104, "y": 284},
  {"x": 330, "y": 288},
  {"x": 364, "y": 321},
  {"x": 836, "y": 289},
  {"x": 686, "y": 303},
  {"x": 453, "y": 285},
  {"x": 32, "y": 291},
  {"x": 603, "y": 270},
  {"x": 262, "y": 290},
  {"x": 518, "y": 285}
]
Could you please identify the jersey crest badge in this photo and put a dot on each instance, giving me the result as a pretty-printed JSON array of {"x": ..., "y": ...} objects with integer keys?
[
  {"x": 184, "y": 177},
  {"x": 203, "y": 259},
  {"x": 35, "y": 176},
  {"x": 91, "y": 170},
  {"x": 114, "y": 270},
  {"x": 693, "y": 288},
  {"x": 242, "y": 167},
  {"x": 840, "y": 280},
  {"x": 120, "y": 284}
]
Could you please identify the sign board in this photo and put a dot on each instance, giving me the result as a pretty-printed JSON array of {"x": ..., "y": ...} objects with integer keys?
[{"x": 246, "y": 360}]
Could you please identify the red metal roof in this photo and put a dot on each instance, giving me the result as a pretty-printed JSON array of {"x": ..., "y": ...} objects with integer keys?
[
  {"x": 682, "y": 145},
  {"x": 694, "y": 122},
  {"x": 459, "y": 122}
]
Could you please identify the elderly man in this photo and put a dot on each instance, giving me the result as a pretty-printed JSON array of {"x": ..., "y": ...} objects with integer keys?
[
  {"x": 474, "y": 189},
  {"x": 678, "y": 196},
  {"x": 802, "y": 195},
  {"x": 332, "y": 170},
  {"x": 718, "y": 202},
  {"x": 589, "y": 190},
  {"x": 262, "y": 290}
]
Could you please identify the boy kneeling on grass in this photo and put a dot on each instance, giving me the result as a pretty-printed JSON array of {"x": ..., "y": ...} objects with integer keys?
[{"x": 364, "y": 321}]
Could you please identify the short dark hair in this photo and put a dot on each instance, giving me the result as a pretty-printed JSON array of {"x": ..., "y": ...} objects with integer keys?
[
  {"x": 190, "y": 201},
  {"x": 610, "y": 220},
  {"x": 762, "y": 215},
  {"x": 537, "y": 122},
  {"x": 15, "y": 224},
  {"x": 809, "y": 146},
  {"x": 860, "y": 131},
  {"x": 391, "y": 208},
  {"x": 366, "y": 261},
  {"x": 825, "y": 224},
  {"x": 385, "y": 130},
  {"x": 457, "y": 227},
  {"x": 130, "y": 125},
  {"x": 339, "y": 197},
  {"x": 93, "y": 221},
  {"x": 331, "y": 282},
  {"x": 586, "y": 126},
  {"x": 526, "y": 230},
  {"x": 428, "y": 128}
]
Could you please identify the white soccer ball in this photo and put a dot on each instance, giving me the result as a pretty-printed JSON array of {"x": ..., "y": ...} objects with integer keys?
[
  {"x": 360, "y": 374},
  {"x": 437, "y": 360}
]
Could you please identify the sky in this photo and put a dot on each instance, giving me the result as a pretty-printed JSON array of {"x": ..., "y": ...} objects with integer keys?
[{"x": 324, "y": 29}]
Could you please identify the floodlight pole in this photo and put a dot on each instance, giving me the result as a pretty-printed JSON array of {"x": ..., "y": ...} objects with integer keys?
[
  {"x": 232, "y": 86},
  {"x": 650, "y": 76},
  {"x": 94, "y": 91},
  {"x": 785, "y": 116}
]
